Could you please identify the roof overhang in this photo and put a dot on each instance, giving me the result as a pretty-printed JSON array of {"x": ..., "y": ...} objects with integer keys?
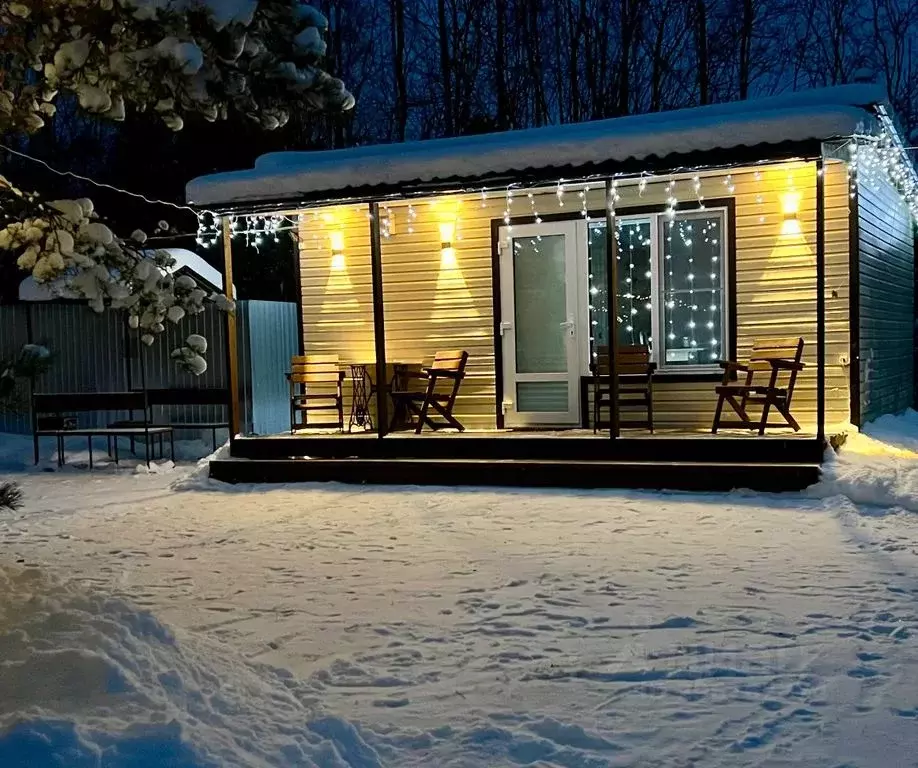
[{"x": 793, "y": 125}]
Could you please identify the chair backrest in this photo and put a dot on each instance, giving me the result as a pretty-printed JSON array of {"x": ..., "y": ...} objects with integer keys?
[
  {"x": 452, "y": 360},
  {"x": 764, "y": 350},
  {"x": 315, "y": 369},
  {"x": 633, "y": 359}
]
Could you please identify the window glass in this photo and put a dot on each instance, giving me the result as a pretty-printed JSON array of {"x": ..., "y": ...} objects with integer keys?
[
  {"x": 693, "y": 291},
  {"x": 634, "y": 294},
  {"x": 686, "y": 293}
]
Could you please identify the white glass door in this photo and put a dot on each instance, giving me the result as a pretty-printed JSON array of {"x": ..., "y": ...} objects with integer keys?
[{"x": 541, "y": 322}]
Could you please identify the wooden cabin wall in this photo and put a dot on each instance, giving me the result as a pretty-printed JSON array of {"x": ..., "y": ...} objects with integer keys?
[{"x": 436, "y": 300}]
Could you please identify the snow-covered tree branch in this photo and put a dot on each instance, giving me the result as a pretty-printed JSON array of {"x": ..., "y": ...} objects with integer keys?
[
  {"x": 259, "y": 58},
  {"x": 62, "y": 243},
  {"x": 170, "y": 58}
]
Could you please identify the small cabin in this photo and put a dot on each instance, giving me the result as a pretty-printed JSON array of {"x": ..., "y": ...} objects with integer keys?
[{"x": 566, "y": 261}]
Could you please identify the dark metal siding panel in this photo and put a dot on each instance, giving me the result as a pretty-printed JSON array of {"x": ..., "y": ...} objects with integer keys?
[
  {"x": 272, "y": 338},
  {"x": 887, "y": 318},
  {"x": 88, "y": 353},
  {"x": 13, "y": 334},
  {"x": 162, "y": 372}
]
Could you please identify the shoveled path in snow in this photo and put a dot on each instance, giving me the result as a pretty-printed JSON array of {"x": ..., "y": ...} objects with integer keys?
[{"x": 465, "y": 627}]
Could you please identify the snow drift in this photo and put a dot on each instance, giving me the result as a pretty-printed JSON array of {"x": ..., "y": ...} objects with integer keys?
[
  {"x": 878, "y": 466},
  {"x": 88, "y": 680}
]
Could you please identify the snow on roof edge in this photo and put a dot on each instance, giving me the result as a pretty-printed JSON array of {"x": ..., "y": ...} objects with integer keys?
[{"x": 819, "y": 114}]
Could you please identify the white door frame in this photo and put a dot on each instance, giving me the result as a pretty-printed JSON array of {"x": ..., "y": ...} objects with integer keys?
[{"x": 577, "y": 293}]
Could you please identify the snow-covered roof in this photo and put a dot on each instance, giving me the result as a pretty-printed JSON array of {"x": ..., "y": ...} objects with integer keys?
[
  {"x": 30, "y": 290},
  {"x": 819, "y": 114},
  {"x": 200, "y": 269}
]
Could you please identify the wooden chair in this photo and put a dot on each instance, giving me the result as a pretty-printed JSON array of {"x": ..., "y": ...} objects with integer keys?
[
  {"x": 448, "y": 369},
  {"x": 635, "y": 384},
  {"x": 777, "y": 361},
  {"x": 315, "y": 385}
]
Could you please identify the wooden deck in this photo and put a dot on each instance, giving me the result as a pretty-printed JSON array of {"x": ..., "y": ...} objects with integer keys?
[{"x": 571, "y": 459}]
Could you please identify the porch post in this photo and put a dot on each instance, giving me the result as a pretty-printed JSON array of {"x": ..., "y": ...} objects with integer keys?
[
  {"x": 298, "y": 277},
  {"x": 379, "y": 327},
  {"x": 820, "y": 301},
  {"x": 611, "y": 317},
  {"x": 232, "y": 352}
]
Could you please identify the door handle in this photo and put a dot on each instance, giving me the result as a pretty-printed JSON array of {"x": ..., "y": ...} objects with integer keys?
[
  {"x": 505, "y": 325},
  {"x": 569, "y": 326}
]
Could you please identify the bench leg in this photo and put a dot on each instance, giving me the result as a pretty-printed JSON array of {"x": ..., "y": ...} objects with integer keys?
[
  {"x": 35, "y": 447},
  {"x": 172, "y": 445},
  {"x": 89, "y": 443},
  {"x": 213, "y": 435},
  {"x": 116, "y": 449},
  {"x": 60, "y": 450}
]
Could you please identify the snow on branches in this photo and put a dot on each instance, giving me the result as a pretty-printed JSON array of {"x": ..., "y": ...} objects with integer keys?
[
  {"x": 172, "y": 57},
  {"x": 63, "y": 244}
]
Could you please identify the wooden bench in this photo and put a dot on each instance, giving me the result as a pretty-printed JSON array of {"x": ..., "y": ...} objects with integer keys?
[
  {"x": 185, "y": 396},
  {"x": 776, "y": 360},
  {"x": 50, "y": 415},
  {"x": 448, "y": 367}
]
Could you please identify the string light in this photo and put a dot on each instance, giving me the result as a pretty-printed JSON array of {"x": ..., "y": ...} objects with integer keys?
[
  {"x": 412, "y": 216},
  {"x": 532, "y": 208},
  {"x": 696, "y": 185}
]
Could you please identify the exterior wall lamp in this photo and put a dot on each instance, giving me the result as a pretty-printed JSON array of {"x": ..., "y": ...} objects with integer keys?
[{"x": 336, "y": 239}]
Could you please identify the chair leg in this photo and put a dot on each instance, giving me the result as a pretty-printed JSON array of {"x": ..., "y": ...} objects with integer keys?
[
  {"x": 650, "y": 411},
  {"x": 764, "y": 422},
  {"x": 717, "y": 413}
]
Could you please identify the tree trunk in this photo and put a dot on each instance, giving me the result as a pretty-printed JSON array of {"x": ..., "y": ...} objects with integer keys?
[
  {"x": 445, "y": 69},
  {"x": 397, "y": 14},
  {"x": 745, "y": 47},
  {"x": 701, "y": 48},
  {"x": 500, "y": 64}
]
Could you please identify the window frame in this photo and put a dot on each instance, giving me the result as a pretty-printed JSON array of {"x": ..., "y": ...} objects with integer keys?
[{"x": 658, "y": 220}]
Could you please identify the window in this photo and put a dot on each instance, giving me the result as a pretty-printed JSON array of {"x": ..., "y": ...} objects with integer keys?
[{"x": 671, "y": 286}]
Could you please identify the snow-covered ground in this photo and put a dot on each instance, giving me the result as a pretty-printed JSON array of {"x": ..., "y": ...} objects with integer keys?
[{"x": 159, "y": 619}]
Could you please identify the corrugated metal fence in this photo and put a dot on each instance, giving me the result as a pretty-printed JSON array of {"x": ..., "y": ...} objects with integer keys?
[{"x": 94, "y": 353}]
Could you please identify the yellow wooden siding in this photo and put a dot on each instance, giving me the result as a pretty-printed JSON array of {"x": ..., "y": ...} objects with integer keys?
[{"x": 441, "y": 301}]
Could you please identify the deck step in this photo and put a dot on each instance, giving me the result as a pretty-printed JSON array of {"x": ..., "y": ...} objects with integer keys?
[
  {"x": 528, "y": 473},
  {"x": 711, "y": 449}
]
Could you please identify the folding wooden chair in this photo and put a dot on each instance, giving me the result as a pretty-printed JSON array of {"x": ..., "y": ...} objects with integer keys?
[
  {"x": 448, "y": 368},
  {"x": 635, "y": 384},
  {"x": 315, "y": 385},
  {"x": 778, "y": 361}
]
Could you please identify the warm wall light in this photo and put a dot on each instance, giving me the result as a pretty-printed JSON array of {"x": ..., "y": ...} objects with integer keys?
[
  {"x": 790, "y": 206},
  {"x": 336, "y": 238},
  {"x": 447, "y": 233}
]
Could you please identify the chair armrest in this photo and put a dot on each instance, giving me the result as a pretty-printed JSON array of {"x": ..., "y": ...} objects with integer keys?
[
  {"x": 787, "y": 365},
  {"x": 446, "y": 373},
  {"x": 410, "y": 374},
  {"x": 729, "y": 365}
]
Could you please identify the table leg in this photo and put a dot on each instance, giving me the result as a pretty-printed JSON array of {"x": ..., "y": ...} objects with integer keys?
[
  {"x": 172, "y": 445},
  {"x": 89, "y": 442},
  {"x": 116, "y": 449}
]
